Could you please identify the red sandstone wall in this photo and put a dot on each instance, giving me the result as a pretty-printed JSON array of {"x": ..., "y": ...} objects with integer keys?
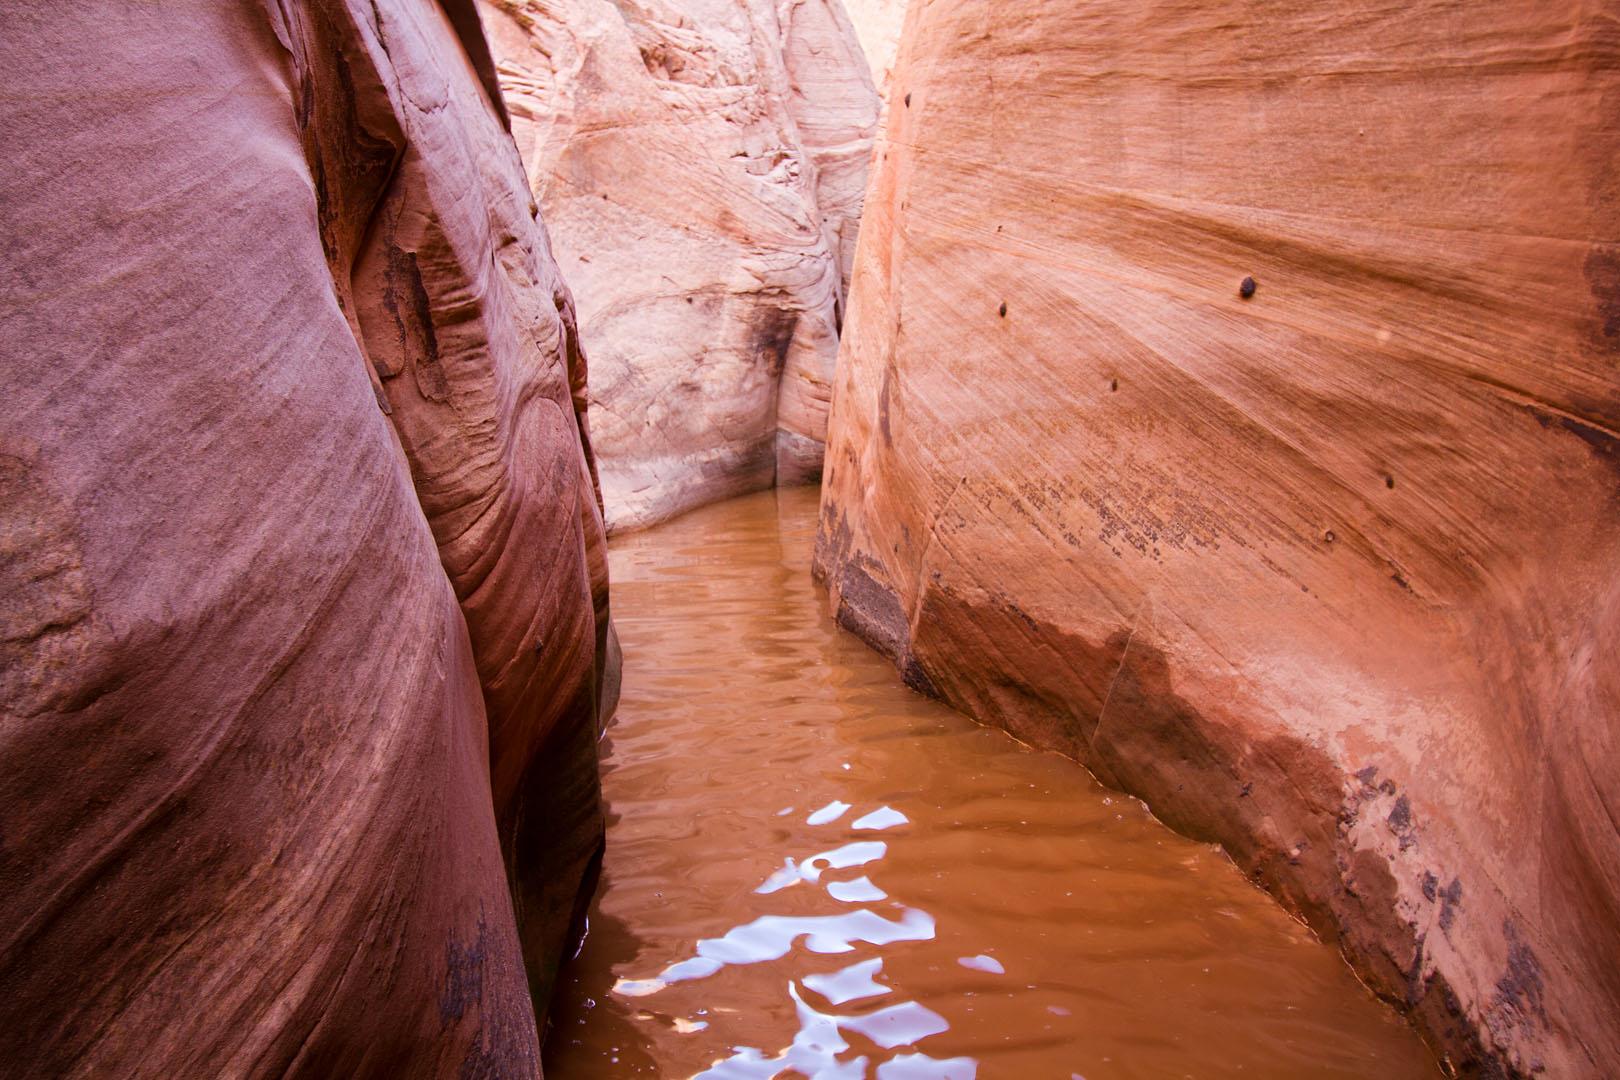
[
  {"x": 1327, "y": 574},
  {"x": 303, "y": 615}
]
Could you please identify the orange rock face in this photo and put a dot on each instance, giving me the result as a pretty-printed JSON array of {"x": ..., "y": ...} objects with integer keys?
[
  {"x": 303, "y": 620},
  {"x": 1327, "y": 572}
]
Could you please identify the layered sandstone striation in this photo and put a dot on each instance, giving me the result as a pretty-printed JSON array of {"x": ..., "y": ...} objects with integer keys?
[
  {"x": 303, "y": 612},
  {"x": 701, "y": 164},
  {"x": 1327, "y": 574}
]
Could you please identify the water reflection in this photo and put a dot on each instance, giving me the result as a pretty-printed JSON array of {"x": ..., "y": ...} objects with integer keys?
[
  {"x": 849, "y": 984},
  {"x": 817, "y": 1045},
  {"x": 813, "y": 870},
  {"x": 827, "y": 814},
  {"x": 858, "y": 853},
  {"x": 884, "y": 817},
  {"x": 982, "y": 963},
  {"x": 771, "y": 937}
]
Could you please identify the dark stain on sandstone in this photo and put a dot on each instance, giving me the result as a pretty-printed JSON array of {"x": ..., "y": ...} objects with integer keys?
[
  {"x": 1602, "y": 272},
  {"x": 871, "y": 610},
  {"x": 1521, "y": 990},
  {"x": 463, "y": 975},
  {"x": 1450, "y": 903},
  {"x": 771, "y": 336},
  {"x": 883, "y": 406}
]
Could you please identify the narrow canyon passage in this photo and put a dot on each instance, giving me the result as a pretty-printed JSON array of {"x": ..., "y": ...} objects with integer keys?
[
  {"x": 1216, "y": 412},
  {"x": 813, "y": 870}
]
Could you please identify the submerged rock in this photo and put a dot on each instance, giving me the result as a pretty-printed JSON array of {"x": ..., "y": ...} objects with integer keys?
[
  {"x": 701, "y": 164},
  {"x": 1325, "y": 572},
  {"x": 302, "y": 582}
]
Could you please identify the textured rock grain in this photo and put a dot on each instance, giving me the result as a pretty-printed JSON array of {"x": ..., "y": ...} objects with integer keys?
[
  {"x": 701, "y": 164},
  {"x": 1327, "y": 574},
  {"x": 303, "y": 612}
]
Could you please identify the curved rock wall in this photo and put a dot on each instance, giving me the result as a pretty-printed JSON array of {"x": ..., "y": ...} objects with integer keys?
[
  {"x": 303, "y": 611},
  {"x": 701, "y": 164},
  {"x": 1327, "y": 573}
]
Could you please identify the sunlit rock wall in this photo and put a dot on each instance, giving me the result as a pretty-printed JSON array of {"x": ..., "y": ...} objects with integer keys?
[
  {"x": 1327, "y": 574},
  {"x": 877, "y": 26},
  {"x": 303, "y": 616},
  {"x": 701, "y": 165}
]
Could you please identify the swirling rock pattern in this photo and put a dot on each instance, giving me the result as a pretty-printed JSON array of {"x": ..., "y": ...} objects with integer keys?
[
  {"x": 1325, "y": 572},
  {"x": 701, "y": 164},
  {"x": 303, "y": 609}
]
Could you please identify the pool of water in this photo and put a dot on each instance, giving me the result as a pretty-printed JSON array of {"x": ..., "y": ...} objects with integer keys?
[{"x": 814, "y": 871}]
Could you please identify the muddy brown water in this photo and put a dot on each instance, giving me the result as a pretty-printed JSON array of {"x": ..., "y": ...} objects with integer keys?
[{"x": 814, "y": 871}]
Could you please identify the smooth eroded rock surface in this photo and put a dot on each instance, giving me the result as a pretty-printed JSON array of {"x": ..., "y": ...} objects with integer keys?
[
  {"x": 303, "y": 619},
  {"x": 701, "y": 164},
  {"x": 1327, "y": 574},
  {"x": 877, "y": 26}
]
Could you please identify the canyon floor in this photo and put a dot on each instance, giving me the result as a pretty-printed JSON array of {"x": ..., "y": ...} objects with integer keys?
[{"x": 811, "y": 867}]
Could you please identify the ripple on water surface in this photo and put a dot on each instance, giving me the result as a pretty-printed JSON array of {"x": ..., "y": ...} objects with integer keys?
[{"x": 812, "y": 870}]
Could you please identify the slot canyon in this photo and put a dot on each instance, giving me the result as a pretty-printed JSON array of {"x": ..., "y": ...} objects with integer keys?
[{"x": 927, "y": 540}]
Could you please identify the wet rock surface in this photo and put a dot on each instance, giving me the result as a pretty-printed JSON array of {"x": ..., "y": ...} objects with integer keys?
[
  {"x": 1323, "y": 569},
  {"x": 304, "y": 617},
  {"x": 701, "y": 165}
]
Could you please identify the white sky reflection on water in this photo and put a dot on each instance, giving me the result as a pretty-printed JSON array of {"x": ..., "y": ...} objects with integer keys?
[
  {"x": 982, "y": 963},
  {"x": 819, "y": 1041},
  {"x": 858, "y": 853},
  {"x": 857, "y": 891},
  {"x": 849, "y": 984},
  {"x": 886, "y": 817},
  {"x": 771, "y": 937},
  {"x": 816, "y": 1046},
  {"x": 828, "y": 814}
]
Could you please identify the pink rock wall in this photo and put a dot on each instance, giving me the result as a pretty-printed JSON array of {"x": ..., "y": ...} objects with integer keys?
[{"x": 303, "y": 623}]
